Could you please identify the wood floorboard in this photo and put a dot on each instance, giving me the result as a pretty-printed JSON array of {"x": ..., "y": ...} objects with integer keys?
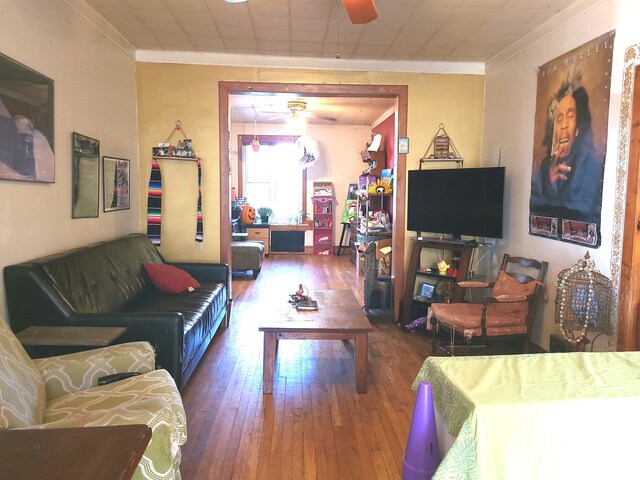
[{"x": 314, "y": 425}]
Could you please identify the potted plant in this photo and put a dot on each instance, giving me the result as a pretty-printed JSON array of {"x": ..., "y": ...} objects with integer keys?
[{"x": 265, "y": 213}]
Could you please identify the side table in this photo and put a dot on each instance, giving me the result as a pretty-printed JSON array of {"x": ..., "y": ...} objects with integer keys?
[
  {"x": 88, "y": 453},
  {"x": 57, "y": 340}
]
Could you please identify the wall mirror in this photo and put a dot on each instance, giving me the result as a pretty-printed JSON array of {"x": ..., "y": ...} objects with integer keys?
[{"x": 86, "y": 176}]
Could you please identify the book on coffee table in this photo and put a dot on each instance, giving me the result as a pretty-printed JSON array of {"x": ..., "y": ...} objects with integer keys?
[{"x": 307, "y": 304}]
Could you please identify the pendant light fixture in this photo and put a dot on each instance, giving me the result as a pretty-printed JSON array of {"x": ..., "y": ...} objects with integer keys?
[{"x": 255, "y": 143}]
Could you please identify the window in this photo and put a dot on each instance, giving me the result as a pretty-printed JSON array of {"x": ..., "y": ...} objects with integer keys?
[{"x": 272, "y": 177}]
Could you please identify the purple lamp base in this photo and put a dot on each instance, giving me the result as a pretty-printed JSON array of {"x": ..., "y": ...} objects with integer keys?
[{"x": 422, "y": 456}]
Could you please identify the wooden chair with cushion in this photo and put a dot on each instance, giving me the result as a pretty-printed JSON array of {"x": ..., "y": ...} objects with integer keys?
[
  {"x": 506, "y": 315},
  {"x": 63, "y": 392}
]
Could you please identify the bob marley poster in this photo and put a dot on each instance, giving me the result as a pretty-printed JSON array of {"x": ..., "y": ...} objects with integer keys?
[{"x": 570, "y": 140}]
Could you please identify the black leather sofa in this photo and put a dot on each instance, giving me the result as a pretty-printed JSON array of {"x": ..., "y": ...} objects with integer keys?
[{"x": 105, "y": 284}]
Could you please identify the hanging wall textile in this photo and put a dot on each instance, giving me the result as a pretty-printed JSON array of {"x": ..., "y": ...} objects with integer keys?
[
  {"x": 182, "y": 151},
  {"x": 199, "y": 230},
  {"x": 154, "y": 205}
]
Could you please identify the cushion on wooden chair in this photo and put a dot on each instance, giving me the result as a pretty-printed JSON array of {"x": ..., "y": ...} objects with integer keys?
[{"x": 505, "y": 318}]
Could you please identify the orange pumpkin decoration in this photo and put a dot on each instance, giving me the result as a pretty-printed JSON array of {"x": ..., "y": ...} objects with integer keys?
[{"x": 248, "y": 214}]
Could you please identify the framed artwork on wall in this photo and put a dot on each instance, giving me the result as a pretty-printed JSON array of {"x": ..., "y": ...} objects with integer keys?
[
  {"x": 115, "y": 183},
  {"x": 85, "y": 182},
  {"x": 26, "y": 123}
]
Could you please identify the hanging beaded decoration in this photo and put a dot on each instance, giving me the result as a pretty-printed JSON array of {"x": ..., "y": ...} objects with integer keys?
[{"x": 584, "y": 300}]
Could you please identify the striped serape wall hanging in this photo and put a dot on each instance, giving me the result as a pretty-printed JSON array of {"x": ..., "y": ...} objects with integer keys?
[
  {"x": 182, "y": 151},
  {"x": 154, "y": 206},
  {"x": 199, "y": 230}
]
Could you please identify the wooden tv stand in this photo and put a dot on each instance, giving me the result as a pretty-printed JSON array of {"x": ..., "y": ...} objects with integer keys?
[{"x": 463, "y": 249}]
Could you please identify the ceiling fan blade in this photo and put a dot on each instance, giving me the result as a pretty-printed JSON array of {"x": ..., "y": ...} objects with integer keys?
[{"x": 361, "y": 11}]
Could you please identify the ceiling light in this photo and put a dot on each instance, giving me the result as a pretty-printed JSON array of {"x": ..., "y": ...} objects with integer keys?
[
  {"x": 296, "y": 106},
  {"x": 296, "y": 121},
  {"x": 235, "y": 1},
  {"x": 255, "y": 143}
]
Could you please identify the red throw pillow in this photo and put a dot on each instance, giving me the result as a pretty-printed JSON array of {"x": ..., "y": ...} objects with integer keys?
[{"x": 170, "y": 279}]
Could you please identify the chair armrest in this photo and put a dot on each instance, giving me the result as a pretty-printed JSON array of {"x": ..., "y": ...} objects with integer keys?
[
  {"x": 163, "y": 330},
  {"x": 473, "y": 284},
  {"x": 81, "y": 370},
  {"x": 505, "y": 299},
  {"x": 116, "y": 377}
]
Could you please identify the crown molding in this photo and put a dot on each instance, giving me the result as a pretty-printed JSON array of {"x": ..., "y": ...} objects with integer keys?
[
  {"x": 538, "y": 34},
  {"x": 308, "y": 63},
  {"x": 99, "y": 23}
]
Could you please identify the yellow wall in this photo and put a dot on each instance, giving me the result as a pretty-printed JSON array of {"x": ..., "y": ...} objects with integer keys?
[
  {"x": 170, "y": 92},
  {"x": 95, "y": 94}
]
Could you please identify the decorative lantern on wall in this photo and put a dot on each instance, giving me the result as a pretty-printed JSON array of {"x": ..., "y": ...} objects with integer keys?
[{"x": 584, "y": 301}]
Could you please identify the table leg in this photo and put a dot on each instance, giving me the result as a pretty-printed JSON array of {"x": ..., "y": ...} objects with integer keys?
[
  {"x": 361, "y": 362},
  {"x": 269, "y": 361},
  {"x": 344, "y": 229}
]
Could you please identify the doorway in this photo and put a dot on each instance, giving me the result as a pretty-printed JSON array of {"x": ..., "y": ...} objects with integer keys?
[
  {"x": 397, "y": 92},
  {"x": 629, "y": 297}
]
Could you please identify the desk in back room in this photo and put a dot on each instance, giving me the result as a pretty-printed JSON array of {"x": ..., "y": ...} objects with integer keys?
[{"x": 540, "y": 416}]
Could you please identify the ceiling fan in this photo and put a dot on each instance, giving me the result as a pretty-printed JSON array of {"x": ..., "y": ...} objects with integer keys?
[
  {"x": 361, "y": 11},
  {"x": 298, "y": 109}
]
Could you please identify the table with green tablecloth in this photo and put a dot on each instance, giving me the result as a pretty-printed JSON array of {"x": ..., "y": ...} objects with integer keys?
[{"x": 539, "y": 416}]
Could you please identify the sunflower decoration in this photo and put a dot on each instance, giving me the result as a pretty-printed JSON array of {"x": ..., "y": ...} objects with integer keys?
[{"x": 380, "y": 188}]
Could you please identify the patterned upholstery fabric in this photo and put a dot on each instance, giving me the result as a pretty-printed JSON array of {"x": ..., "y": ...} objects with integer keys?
[
  {"x": 505, "y": 318},
  {"x": 80, "y": 371},
  {"x": 61, "y": 392},
  {"x": 22, "y": 396},
  {"x": 507, "y": 285}
]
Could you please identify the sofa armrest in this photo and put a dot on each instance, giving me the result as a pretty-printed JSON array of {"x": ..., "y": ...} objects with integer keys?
[
  {"x": 211, "y": 273},
  {"x": 81, "y": 370},
  {"x": 163, "y": 330},
  {"x": 206, "y": 272}
]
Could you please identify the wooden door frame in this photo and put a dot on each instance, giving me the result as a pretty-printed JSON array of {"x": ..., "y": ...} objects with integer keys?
[
  {"x": 629, "y": 284},
  {"x": 401, "y": 95}
]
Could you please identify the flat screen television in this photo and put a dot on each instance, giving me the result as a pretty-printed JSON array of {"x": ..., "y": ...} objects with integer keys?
[{"x": 456, "y": 201}]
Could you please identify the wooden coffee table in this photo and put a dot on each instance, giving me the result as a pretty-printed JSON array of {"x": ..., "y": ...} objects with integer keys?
[{"x": 339, "y": 317}]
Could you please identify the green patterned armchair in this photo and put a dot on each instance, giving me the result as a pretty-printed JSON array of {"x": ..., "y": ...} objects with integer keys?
[{"x": 62, "y": 392}]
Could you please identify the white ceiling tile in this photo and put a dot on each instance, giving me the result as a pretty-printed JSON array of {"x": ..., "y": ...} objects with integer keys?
[
  {"x": 107, "y": 3},
  {"x": 203, "y": 31},
  {"x": 159, "y": 4},
  {"x": 297, "y": 36},
  {"x": 271, "y": 34},
  {"x": 406, "y": 29},
  {"x": 402, "y": 52},
  {"x": 233, "y": 33},
  {"x": 194, "y": 18},
  {"x": 240, "y": 44},
  {"x": 262, "y": 22},
  {"x": 411, "y": 40},
  {"x": 162, "y": 29},
  {"x": 175, "y": 42},
  {"x": 187, "y": 5},
  {"x": 268, "y": 9},
  {"x": 311, "y": 10},
  {"x": 493, "y": 4},
  {"x": 233, "y": 21},
  {"x": 310, "y": 24},
  {"x": 149, "y": 15},
  {"x": 271, "y": 46},
  {"x": 306, "y": 47},
  {"x": 204, "y": 42},
  {"x": 222, "y": 7}
]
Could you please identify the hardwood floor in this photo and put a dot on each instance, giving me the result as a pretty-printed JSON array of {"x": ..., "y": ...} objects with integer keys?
[{"x": 314, "y": 425}]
